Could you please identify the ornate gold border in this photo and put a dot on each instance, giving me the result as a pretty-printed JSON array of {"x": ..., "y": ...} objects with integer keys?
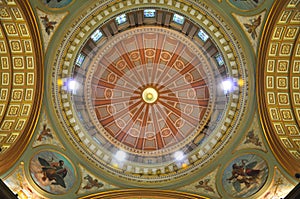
[
  {"x": 78, "y": 27},
  {"x": 57, "y": 9},
  {"x": 9, "y": 158},
  {"x": 244, "y": 10},
  {"x": 284, "y": 157},
  {"x": 153, "y": 193},
  {"x": 235, "y": 156},
  {"x": 38, "y": 188}
]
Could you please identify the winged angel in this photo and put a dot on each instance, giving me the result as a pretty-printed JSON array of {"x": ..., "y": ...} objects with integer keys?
[
  {"x": 54, "y": 171},
  {"x": 244, "y": 174},
  {"x": 49, "y": 25},
  {"x": 253, "y": 26}
]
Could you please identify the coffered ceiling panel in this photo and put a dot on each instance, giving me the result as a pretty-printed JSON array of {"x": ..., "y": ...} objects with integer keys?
[
  {"x": 21, "y": 79},
  {"x": 279, "y": 83}
]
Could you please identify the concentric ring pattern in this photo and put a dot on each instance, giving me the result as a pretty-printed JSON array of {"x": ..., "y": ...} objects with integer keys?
[
  {"x": 151, "y": 58},
  {"x": 149, "y": 105}
]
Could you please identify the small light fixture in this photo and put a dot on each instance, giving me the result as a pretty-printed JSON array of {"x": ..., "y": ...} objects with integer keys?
[
  {"x": 150, "y": 95},
  {"x": 184, "y": 165}
]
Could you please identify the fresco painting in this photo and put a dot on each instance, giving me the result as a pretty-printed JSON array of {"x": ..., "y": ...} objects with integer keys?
[
  {"x": 57, "y": 3},
  {"x": 252, "y": 137},
  {"x": 91, "y": 183},
  {"x": 49, "y": 24},
  {"x": 18, "y": 184},
  {"x": 204, "y": 186},
  {"x": 46, "y": 135},
  {"x": 279, "y": 188},
  {"x": 52, "y": 172},
  {"x": 252, "y": 26},
  {"x": 246, "y": 4},
  {"x": 245, "y": 176}
]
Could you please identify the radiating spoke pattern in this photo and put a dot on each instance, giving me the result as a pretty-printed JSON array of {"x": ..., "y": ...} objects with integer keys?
[{"x": 151, "y": 91}]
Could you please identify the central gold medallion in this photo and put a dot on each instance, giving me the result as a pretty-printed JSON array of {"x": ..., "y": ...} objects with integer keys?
[{"x": 150, "y": 95}]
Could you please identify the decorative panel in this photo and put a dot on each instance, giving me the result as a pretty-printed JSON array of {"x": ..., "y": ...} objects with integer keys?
[
  {"x": 278, "y": 79},
  {"x": 21, "y": 81}
]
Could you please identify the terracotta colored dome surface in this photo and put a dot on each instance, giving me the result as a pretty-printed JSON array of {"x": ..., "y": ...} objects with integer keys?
[{"x": 149, "y": 91}]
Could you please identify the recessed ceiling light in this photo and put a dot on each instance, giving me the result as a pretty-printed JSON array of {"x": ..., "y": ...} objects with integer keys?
[
  {"x": 120, "y": 155},
  {"x": 72, "y": 85},
  {"x": 178, "y": 155},
  {"x": 227, "y": 85}
]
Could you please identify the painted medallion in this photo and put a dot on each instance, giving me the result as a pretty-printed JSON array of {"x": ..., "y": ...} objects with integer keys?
[
  {"x": 56, "y": 3},
  {"x": 246, "y": 4},
  {"x": 52, "y": 172},
  {"x": 245, "y": 176}
]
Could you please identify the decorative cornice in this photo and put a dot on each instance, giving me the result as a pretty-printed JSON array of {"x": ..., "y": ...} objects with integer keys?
[
  {"x": 144, "y": 193},
  {"x": 63, "y": 67}
]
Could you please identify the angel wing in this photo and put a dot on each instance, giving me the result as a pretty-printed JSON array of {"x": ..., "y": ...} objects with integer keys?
[
  {"x": 251, "y": 165},
  {"x": 52, "y": 23},
  {"x": 253, "y": 34},
  {"x": 43, "y": 162},
  {"x": 250, "y": 134},
  {"x": 206, "y": 181},
  {"x": 59, "y": 181},
  {"x": 237, "y": 186},
  {"x": 247, "y": 25},
  {"x": 45, "y": 19},
  {"x": 250, "y": 28}
]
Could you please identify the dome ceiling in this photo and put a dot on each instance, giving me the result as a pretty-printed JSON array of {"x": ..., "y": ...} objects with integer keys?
[
  {"x": 145, "y": 97},
  {"x": 152, "y": 95},
  {"x": 148, "y": 91}
]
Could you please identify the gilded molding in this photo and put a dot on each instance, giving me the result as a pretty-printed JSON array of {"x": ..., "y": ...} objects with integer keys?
[
  {"x": 151, "y": 193},
  {"x": 28, "y": 81},
  {"x": 68, "y": 49},
  {"x": 276, "y": 112}
]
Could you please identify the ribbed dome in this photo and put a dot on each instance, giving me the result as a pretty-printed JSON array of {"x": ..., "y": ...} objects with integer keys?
[{"x": 149, "y": 60}]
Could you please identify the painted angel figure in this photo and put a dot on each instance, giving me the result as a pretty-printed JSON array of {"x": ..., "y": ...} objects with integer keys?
[
  {"x": 244, "y": 174},
  {"x": 92, "y": 183},
  {"x": 253, "y": 26},
  {"x": 54, "y": 171},
  {"x": 45, "y": 133},
  {"x": 252, "y": 138},
  {"x": 204, "y": 184},
  {"x": 49, "y": 25}
]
